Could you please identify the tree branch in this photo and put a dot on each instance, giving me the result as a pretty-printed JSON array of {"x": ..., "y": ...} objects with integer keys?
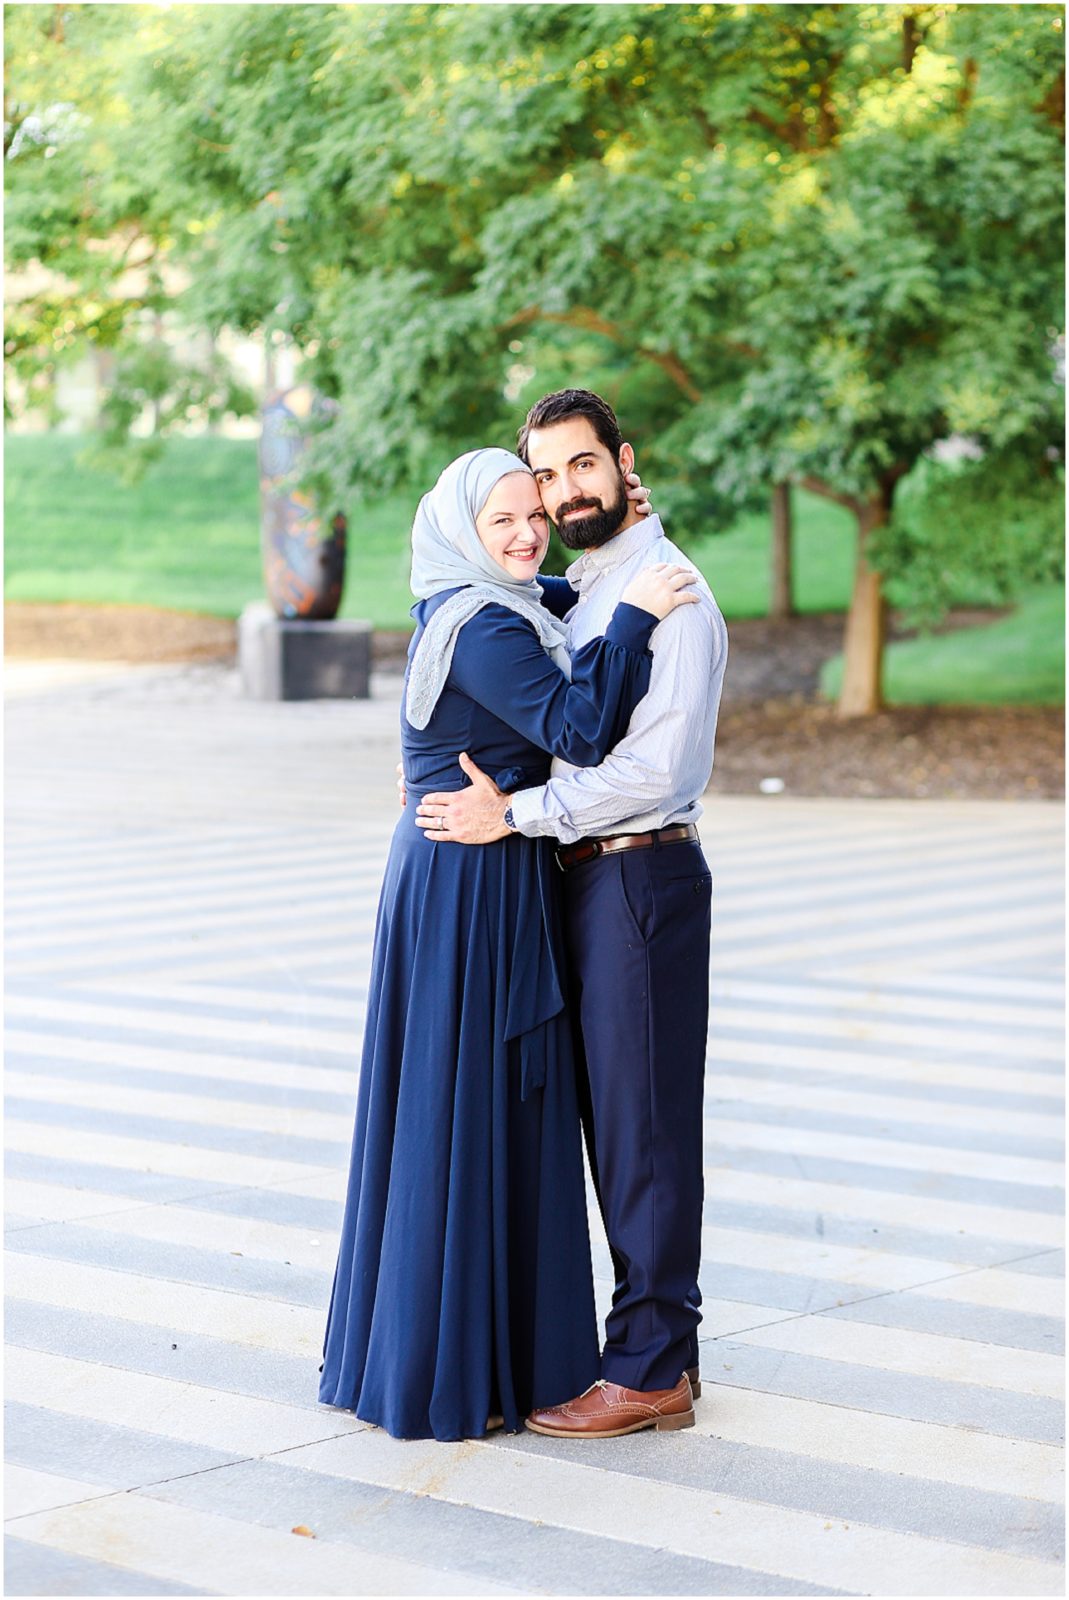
[
  {"x": 710, "y": 134},
  {"x": 829, "y": 120},
  {"x": 969, "y": 74},
  {"x": 778, "y": 131},
  {"x": 910, "y": 40},
  {"x": 591, "y": 321},
  {"x": 134, "y": 237},
  {"x": 826, "y": 492},
  {"x": 890, "y": 476},
  {"x": 1053, "y": 103}
]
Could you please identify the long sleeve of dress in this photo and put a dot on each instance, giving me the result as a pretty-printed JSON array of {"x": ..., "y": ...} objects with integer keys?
[{"x": 500, "y": 663}]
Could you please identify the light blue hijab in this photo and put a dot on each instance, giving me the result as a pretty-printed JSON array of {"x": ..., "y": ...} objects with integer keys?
[{"x": 447, "y": 553}]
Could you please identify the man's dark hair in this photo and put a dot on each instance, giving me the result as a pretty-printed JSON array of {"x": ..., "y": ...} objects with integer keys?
[{"x": 564, "y": 405}]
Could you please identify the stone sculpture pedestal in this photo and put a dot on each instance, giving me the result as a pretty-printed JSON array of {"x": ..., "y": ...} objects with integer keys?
[{"x": 284, "y": 660}]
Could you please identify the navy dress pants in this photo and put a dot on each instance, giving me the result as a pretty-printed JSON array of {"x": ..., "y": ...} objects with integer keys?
[{"x": 638, "y": 928}]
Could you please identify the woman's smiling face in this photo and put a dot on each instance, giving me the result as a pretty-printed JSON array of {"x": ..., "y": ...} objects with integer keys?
[{"x": 513, "y": 527}]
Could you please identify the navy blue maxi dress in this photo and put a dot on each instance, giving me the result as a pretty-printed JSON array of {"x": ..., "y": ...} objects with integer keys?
[{"x": 463, "y": 1286}]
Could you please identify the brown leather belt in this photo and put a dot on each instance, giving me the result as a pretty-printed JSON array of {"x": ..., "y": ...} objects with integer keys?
[{"x": 583, "y": 850}]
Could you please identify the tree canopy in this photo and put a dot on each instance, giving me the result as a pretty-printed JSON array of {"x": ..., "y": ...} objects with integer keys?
[{"x": 797, "y": 243}]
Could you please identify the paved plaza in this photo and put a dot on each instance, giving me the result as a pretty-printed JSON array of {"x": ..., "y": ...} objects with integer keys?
[{"x": 191, "y": 890}]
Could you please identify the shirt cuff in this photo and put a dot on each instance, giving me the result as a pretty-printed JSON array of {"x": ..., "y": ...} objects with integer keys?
[
  {"x": 631, "y": 626},
  {"x": 528, "y": 815}
]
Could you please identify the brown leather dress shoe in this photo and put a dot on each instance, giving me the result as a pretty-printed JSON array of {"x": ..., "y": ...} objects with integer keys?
[
  {"x": 694, "y": 1374},
  {"x": 606, "y": 1410}
]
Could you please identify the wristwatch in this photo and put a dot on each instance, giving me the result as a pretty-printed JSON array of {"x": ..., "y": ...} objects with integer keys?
[{"x": 509, "y": 820}]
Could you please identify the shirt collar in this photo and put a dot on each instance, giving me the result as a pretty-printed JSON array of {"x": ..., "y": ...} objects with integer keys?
[{"x": 593, "y": 564}]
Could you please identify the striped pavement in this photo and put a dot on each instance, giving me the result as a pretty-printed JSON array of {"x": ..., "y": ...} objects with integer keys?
[{"x": 191, "y": 887}]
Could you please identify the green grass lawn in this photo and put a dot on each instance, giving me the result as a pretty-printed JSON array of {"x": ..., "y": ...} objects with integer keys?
[
  {"x": 186, "y": 538},
  {"x": 1018, "y": 660},
  {"x": 737, "y": 563}
]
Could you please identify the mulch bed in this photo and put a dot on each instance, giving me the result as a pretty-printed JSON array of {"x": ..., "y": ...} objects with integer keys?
[
  {"x": 115, "y": 633},
  {"x": 915, "y": 752},
  {"x": 772, "y": 723}
]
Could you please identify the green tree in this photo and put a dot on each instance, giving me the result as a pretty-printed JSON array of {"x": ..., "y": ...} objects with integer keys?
[
  {"x": 795, "y": 243},
  {"x": 89, "y": 198}
]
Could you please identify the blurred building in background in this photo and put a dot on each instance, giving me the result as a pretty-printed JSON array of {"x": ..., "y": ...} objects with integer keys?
[{"x": 81, "y": 385}]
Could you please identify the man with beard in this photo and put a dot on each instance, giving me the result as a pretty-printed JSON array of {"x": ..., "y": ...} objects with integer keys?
[{"x": 637, "y": 896}]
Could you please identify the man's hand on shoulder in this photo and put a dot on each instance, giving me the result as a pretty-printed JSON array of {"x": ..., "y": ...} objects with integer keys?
[{"x": 465, "y": 816}]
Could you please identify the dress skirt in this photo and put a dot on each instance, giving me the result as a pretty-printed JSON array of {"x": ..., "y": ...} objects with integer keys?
[{"x": 463, "y": 1286}]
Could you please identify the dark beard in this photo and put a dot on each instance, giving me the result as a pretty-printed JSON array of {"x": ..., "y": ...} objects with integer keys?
[{"x": 595, "y": 529}]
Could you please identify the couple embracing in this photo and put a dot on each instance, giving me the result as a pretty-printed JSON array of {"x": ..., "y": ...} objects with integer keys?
[{"x": 540, "y": 965}]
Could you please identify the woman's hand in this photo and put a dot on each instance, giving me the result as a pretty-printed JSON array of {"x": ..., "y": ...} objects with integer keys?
[
  {"x": 638, "y": 494},
  {"x": 661, "y": 588}
]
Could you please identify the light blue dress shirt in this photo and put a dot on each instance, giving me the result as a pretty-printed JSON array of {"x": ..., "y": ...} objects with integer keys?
[{"x": 656, "y": 774}]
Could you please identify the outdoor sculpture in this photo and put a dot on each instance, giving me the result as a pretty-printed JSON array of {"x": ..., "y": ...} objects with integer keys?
[
  {"x": 304, "y": 570},
  {"x": 297, "y": 648}
]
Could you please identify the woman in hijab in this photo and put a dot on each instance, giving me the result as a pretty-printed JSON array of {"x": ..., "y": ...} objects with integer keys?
[{"x": 463, "y": 1293}]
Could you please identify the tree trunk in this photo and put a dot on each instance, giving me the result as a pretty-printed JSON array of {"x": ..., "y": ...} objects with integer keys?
[
  {"x": 270, "y": 367},
  {"x": 103, "y": 375},
  {"x": 780, "y": 605},
  {"x": 866, "y": 623},
  {"x": 909, "y": 40},
  {"x": 157, "y": 404},
  {"x": 214, "y": 423}
]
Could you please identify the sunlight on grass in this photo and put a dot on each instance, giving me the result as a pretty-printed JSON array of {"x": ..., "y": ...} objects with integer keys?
[
  {"x": 1018, "y": 660},
  {"x": 186, "y": 538}
]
